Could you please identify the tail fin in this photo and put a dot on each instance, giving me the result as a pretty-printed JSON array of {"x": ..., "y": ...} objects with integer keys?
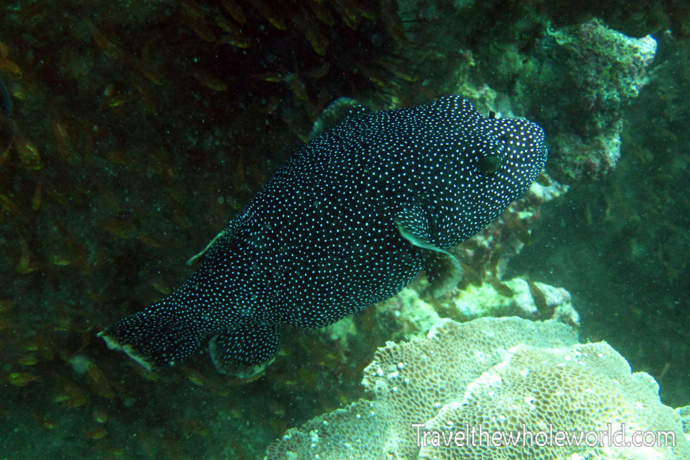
[{"x": 160, "y": 335}]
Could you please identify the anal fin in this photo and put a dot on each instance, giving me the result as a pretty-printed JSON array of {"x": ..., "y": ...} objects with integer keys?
[
  {"x": 443, "y": 271},
  {"x": 245, "y": 351}
]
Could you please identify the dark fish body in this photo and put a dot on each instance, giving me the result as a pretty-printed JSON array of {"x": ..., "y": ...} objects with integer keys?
[
  {"x": 5, "y": 99},
  {"x": 350, "y": 220},
  {"x": 7, "y": 125}
]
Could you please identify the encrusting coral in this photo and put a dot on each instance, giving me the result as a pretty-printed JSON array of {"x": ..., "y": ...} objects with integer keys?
[
  {"x": 508, "y": 375},
  {"x": 608, "y": 69}
]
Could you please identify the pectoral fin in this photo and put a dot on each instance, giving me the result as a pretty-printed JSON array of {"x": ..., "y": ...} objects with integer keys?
[{"x": 442, "y": 269}]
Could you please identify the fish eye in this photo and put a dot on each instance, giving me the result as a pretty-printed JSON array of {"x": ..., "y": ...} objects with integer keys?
[{"x": 491, "y": 156}]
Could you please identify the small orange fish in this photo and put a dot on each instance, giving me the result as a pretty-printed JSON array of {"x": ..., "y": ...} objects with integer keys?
[
  {"x": 28, "y": 359},
  {"x": 321, "y": 12},
  {"x": 22, "y": 379},
  {"x": 10, "y": 68},
  {"x": 38, "y": 193},
  {"x": 235, "y": 40},
  {"x": 202, "y": 28},
  {"x": 208, "y": 80},
  {"x": 193, "y": 10},
  {"x": 105, "y": 45},
  {"x": 7, "y": 204},
  {"x": 73, "y": 395},
  {"x": 28, "y": 154},
  {"x": 227, "y": 25},
  {"x": 119, "y": 228},
  {"x": 299, "y": 90},
  {"x": 97, "y": 433},
  {"x": 311, "y": 31},
  {"x": 25, "y": 265},
  {"x": 235, "y": 10},
  {"x": 273, "y": 17},
  {"x": 99, "y": 381},
  {"x": 100, "y": 415},
  {"x": 194, "y": 376}
]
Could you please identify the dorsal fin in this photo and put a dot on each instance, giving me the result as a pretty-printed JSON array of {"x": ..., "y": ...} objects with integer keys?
[
  {"x": 340, "y": 110},
  {"x": 229, "y": 231}
]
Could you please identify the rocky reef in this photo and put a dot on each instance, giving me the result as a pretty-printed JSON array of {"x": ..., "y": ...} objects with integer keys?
[{"x": 588, "y": 74}]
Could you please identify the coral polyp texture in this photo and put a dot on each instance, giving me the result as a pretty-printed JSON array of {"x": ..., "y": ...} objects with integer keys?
[
  {"x": 581, "y": 389},
  {"x": 507, "y": 375}
]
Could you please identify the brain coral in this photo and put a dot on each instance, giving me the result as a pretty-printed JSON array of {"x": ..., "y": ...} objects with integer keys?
[{"x": 507, "y": 374}]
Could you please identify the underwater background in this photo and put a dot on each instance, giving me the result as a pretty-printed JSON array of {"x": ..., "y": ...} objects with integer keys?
[{"x": 139, "y": 129}]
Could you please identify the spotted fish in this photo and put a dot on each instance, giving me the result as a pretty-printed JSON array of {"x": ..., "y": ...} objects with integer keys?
[
  {"x": 5, "y": 99},
  {"x": 7, "y": 126},
  {"x": 350, "y": 220}
]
